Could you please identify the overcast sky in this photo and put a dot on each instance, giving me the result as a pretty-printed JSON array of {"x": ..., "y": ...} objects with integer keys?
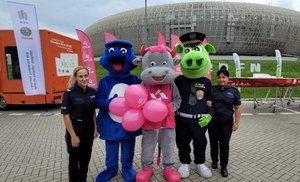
[{"x": 64, "y": 16}]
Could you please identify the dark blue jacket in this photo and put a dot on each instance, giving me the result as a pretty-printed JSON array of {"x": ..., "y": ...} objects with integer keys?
[
  {"x": 224, "y": 100},
  {"x": 78, "y": 103}
]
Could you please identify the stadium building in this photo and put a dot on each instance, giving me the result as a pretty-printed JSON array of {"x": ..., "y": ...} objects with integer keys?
[{"x": 244, "y": 28}]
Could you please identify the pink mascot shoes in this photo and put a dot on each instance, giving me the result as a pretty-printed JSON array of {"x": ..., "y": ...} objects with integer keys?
[
  {"x": 144, "y": 175},
  {"x": 171, "y": 175}
]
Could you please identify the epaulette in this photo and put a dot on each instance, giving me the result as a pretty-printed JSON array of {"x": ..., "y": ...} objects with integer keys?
[{"x": 70, "y": 89}]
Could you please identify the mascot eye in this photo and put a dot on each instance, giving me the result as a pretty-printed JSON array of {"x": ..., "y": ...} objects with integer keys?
[
  {"x": 153, "y": 63},
  {"x": 123, "y": 50},
  {"x": 164, "y": 63},
  {"x": 187, "y": 50},
  {"x": 198, "y": 48},
  {"x": 111, "y": 50}
]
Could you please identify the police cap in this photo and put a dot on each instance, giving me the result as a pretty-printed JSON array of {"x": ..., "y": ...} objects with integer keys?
[{"x": 192, "y": 38}]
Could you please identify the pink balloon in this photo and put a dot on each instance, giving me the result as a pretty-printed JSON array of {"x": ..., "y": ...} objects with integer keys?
[
  {"x": 118, "y": 106},
  {"x": 155, "y": 110},
  {"x": 136, "y": 96},
  {"x": 133, "y": 120}
]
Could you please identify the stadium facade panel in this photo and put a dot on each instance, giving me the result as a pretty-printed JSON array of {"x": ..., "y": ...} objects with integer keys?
[{"x": 244, "y": 28}]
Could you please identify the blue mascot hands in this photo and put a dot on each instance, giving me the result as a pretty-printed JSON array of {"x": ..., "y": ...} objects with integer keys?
[
  {"x": 203, "y": 121},
  {"x": 109, "y": 100}
]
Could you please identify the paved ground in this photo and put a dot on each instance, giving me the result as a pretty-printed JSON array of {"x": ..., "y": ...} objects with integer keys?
[{"x": 265, "y": 148}]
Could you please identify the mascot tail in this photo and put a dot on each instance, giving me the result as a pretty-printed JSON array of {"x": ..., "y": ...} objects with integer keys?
[{"x": 158, "y": 156}]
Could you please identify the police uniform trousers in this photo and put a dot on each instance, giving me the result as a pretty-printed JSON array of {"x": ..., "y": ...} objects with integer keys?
[
  {"x": 219, "y": 131},
  {"x": 187, "y": 130},
  {"x": 79, "y": 157}
]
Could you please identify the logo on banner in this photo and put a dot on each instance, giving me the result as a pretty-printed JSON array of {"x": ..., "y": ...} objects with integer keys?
[
  {"x": 22, "y": 17},
  {"x": 25, "y": 31},
  {"x": 87, "y": 58},
  {"x": 85, "y": 45}
]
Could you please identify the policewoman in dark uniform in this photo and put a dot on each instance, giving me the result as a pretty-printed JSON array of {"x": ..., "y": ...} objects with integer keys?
[
  {"x": 78, "y": 109},
  {"x": 226, "y": 102}
]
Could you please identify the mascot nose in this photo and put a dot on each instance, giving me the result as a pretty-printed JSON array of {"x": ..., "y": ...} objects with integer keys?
[
  {"x": 189, "y": 62},
  {"x": 199, "y": 61},
  {"x": 166, "y": 71},
  {"x": 149, "y": 72}
]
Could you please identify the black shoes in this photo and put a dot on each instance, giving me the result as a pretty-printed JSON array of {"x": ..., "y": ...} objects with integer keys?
[
  {"x": 214, "y": 165},
  {"x": 224, "y": 172}
]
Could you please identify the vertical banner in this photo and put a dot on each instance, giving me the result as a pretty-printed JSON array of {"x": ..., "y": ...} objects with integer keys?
[
  {"x": 237, "y": 62},
  {"x": 161, "y": 39},
  {"x": 174, "y": 40},
  {"x": 237, "y": 65},
  {"x": 279, "y": 63},
  {"x": 109, "y": 36},
  {"x": 88, "y": 57},
  {"x": 208, "y": 75},
  {"x": 27, "y": 35}
]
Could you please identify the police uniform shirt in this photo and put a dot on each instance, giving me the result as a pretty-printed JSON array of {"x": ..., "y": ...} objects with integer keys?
[
  {"x": 78, "y": 103},
  {"x": 224, "y": 100},
  {"x": 202, "y": 92}
]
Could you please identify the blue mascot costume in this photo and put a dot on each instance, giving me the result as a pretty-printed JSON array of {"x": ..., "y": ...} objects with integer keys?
[{"x": 117, "y": 59}]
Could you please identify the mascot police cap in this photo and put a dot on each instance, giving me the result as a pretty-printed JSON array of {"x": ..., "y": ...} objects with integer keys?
[{"x": 192, "y": 38}]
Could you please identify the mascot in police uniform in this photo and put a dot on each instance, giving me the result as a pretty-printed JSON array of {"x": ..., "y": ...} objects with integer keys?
[
  {"x": 195, "y": 111},
  {"x": 117, "y": 60}
]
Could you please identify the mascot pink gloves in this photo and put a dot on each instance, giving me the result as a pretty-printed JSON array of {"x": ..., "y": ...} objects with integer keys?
[
  {"x": 194, "y": 114},
  {"x": 117, "y": 60},
  {"x": 158, "y": 76}
]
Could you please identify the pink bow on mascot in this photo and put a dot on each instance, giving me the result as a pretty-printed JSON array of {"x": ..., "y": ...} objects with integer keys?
[{"x": 158, "y": 78}]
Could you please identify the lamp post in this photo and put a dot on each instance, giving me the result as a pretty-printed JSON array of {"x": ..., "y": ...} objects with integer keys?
[{"x": 146, "y": 24}]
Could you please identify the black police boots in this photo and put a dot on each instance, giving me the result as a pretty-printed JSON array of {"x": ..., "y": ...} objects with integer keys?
[
  {"x": 214, "y": 165},
  {"x": 224, "y": 172}
]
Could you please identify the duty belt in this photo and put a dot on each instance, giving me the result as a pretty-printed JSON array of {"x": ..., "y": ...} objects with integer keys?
[
  {"x": 81, "y": 120},
  {"x": 191, "y": 116}
]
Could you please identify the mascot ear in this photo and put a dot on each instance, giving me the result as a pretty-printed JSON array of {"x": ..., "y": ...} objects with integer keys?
[
  {"x": 143, "y": 50},
  {"x": 178, "y": 48},
  {"x": 209, "y": 48},
  {"x": 137, "y": 61}
]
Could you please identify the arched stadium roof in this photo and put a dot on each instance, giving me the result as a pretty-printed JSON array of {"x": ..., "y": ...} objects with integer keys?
[{"x": 244, "y": 28}]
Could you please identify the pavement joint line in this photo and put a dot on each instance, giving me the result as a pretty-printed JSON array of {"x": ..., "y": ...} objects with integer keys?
[
  {"x": 17, "y": 114},
  {"x": 246, "y": 114},
  {"x": 265, "y": 114}
]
